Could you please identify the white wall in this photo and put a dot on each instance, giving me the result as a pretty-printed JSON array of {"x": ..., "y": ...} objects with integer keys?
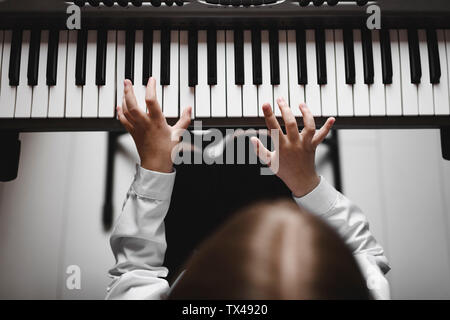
[{"x": 50, "y": 217}]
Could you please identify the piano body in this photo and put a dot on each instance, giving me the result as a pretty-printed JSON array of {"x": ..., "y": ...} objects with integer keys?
[{"x": 224, "y": 58}]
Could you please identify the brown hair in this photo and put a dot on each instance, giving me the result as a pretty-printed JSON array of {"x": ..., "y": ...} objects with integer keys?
[{"x": 272, "y": 251}]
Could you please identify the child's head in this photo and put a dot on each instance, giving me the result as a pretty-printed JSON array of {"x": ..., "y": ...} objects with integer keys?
[{"x": 272, "y": 251}]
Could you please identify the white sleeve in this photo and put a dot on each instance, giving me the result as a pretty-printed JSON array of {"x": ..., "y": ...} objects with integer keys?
[
  {"x": 350, "y": 222},
  {"x": 138, "y": 240}
]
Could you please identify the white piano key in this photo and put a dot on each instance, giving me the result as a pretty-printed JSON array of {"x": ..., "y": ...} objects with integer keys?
[
  {"x": 328, "y": 91},
  {"x": 265, "y": 90},
  {"x": 57, "y": 94},
  {"x": 296, "y": 91},
  {"x": 107, "y": 97},
  {"x": 249, "y": 90},
  {"x": 409, "y": 90},
  {"x": 120, "y": 65},
  {"x": 441, "y": 90},
  {"x": 156, "y": 63},
  {"x": 394, "y": 90},
  {"x": 138, "y": 87},
  {"x": 218, "y": 91},
  {"x": 39, "y": 107},
  {"x": 425, "y": 88},
  {"x": 24, "y": 91},
  {"x": 376, "y": 90},
  {"x": 7, "y": 92},
  {"x": 282, "y": 90},
  {"x": 170, "y": 92},
  {"x": 187, "y": 94},
  {"x": 344, "y": 90},
  {"x": 74, "y": 93},
  {"x": 202, "y": 91},
  {"x": 312, "y": 88},
  {"x": 234, "y": 92},
  {"x": 360, "y": 89},
  {"x": 90, "y": 89}
]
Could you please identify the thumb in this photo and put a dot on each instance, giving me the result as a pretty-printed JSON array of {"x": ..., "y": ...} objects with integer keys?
[
  {"x": 185, "y": 119},
  {"x": 261, "y": 151}
]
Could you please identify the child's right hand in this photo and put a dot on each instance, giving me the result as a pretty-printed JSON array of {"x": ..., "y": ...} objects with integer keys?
[{"x": 295, "y": 151}]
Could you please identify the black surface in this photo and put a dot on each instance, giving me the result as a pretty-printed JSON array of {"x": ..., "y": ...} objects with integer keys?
[
  {"x": 414, "y": 56},
  {"x": 366, "y": 37},
  {"x": 130, "y": 38},
  {"x": 14, "y": 59},
  {"x": 9, "y": 160},
  {"x": 445, "y": 142},
  {"x": 349, "y": 57},
  {"x": 321, "y": 57},
  {"x": 33, "y": 57},
  {"x": 256, "y": 57},
  {"x": 195, "y": 212},
  {"x": 148, "y": 56},
  {"x": 165, "y": 57},
  {"x": 302, "y": 70},
  {"x": 212, "y": 56},
  {"x": 433, "y": 57},
  {"x": 386, "y": 56},
  {"x": 80, "y": 68},
  {"x": 100, "y": 65},
  {"x": 239, "y": 57},
  {"x": 274, "y": 57},
  {"x": 52, "y": 57},
  {"x": 93, "y": 124},
  {"x": 192, "y": 57}
]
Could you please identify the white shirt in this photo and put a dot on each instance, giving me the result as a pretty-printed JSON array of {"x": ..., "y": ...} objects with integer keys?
[{"x": 139, "y": 244}]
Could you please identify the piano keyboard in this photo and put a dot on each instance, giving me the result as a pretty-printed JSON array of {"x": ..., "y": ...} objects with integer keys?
[{"x": 225, "y": 73}]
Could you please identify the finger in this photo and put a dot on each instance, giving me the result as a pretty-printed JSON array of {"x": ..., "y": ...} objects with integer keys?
[
  {"x": 123, "y": 120},
  {"x": 261, "y": 151},
  {"x": 323, "y": 132},
  {"x": 151, "y": 100},
  {"x": 308, "y": 121},
  {"x": 289, "y": 120},
  {"x": 132, "y": 108},
  {"x": 185, "y": 119},
  {"x": 271, "y": 120}
]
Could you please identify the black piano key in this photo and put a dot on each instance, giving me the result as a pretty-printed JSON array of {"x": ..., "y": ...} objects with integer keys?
[
  {"x": 256, "y": 57},
  {"x": 148, "y": 56},
  {"x": 165, "y": 57},
  {"x": 366, "y": 38},
  {"x": 33, "y": 57},
  {"x": 433, "y": 57},
  {"x": 192, "y": 58},
  {"x": 302, "y": 69},
  {"x": 52, "y": 57},
  {"x": 80, "y": 68},
  {"x": 321, "y": 57},
  {"x": 414, "y": 56},
  {"x": 274, "y": 57},
  {"x": 239, "y": 57},
  {"x": 386, "y": 56},
  {"x": 212, "y": 56},
  {"x": 349, "y": 56},
  {"x": 14, "y": 59},
  {"x": 100, "y": 74},
  {"x": 129, "y": 55}
]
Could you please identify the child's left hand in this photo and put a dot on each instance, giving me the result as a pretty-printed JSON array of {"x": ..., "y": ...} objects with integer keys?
[{"x": 154, "y": 138}]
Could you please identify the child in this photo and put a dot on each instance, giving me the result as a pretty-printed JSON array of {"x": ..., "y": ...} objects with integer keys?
[{"x": 267, "y": 251}]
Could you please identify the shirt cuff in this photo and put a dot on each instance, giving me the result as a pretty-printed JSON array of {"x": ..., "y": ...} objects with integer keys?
[
  {"x": 152, "y": 184},
  {"x": 319, "y": 201}
]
